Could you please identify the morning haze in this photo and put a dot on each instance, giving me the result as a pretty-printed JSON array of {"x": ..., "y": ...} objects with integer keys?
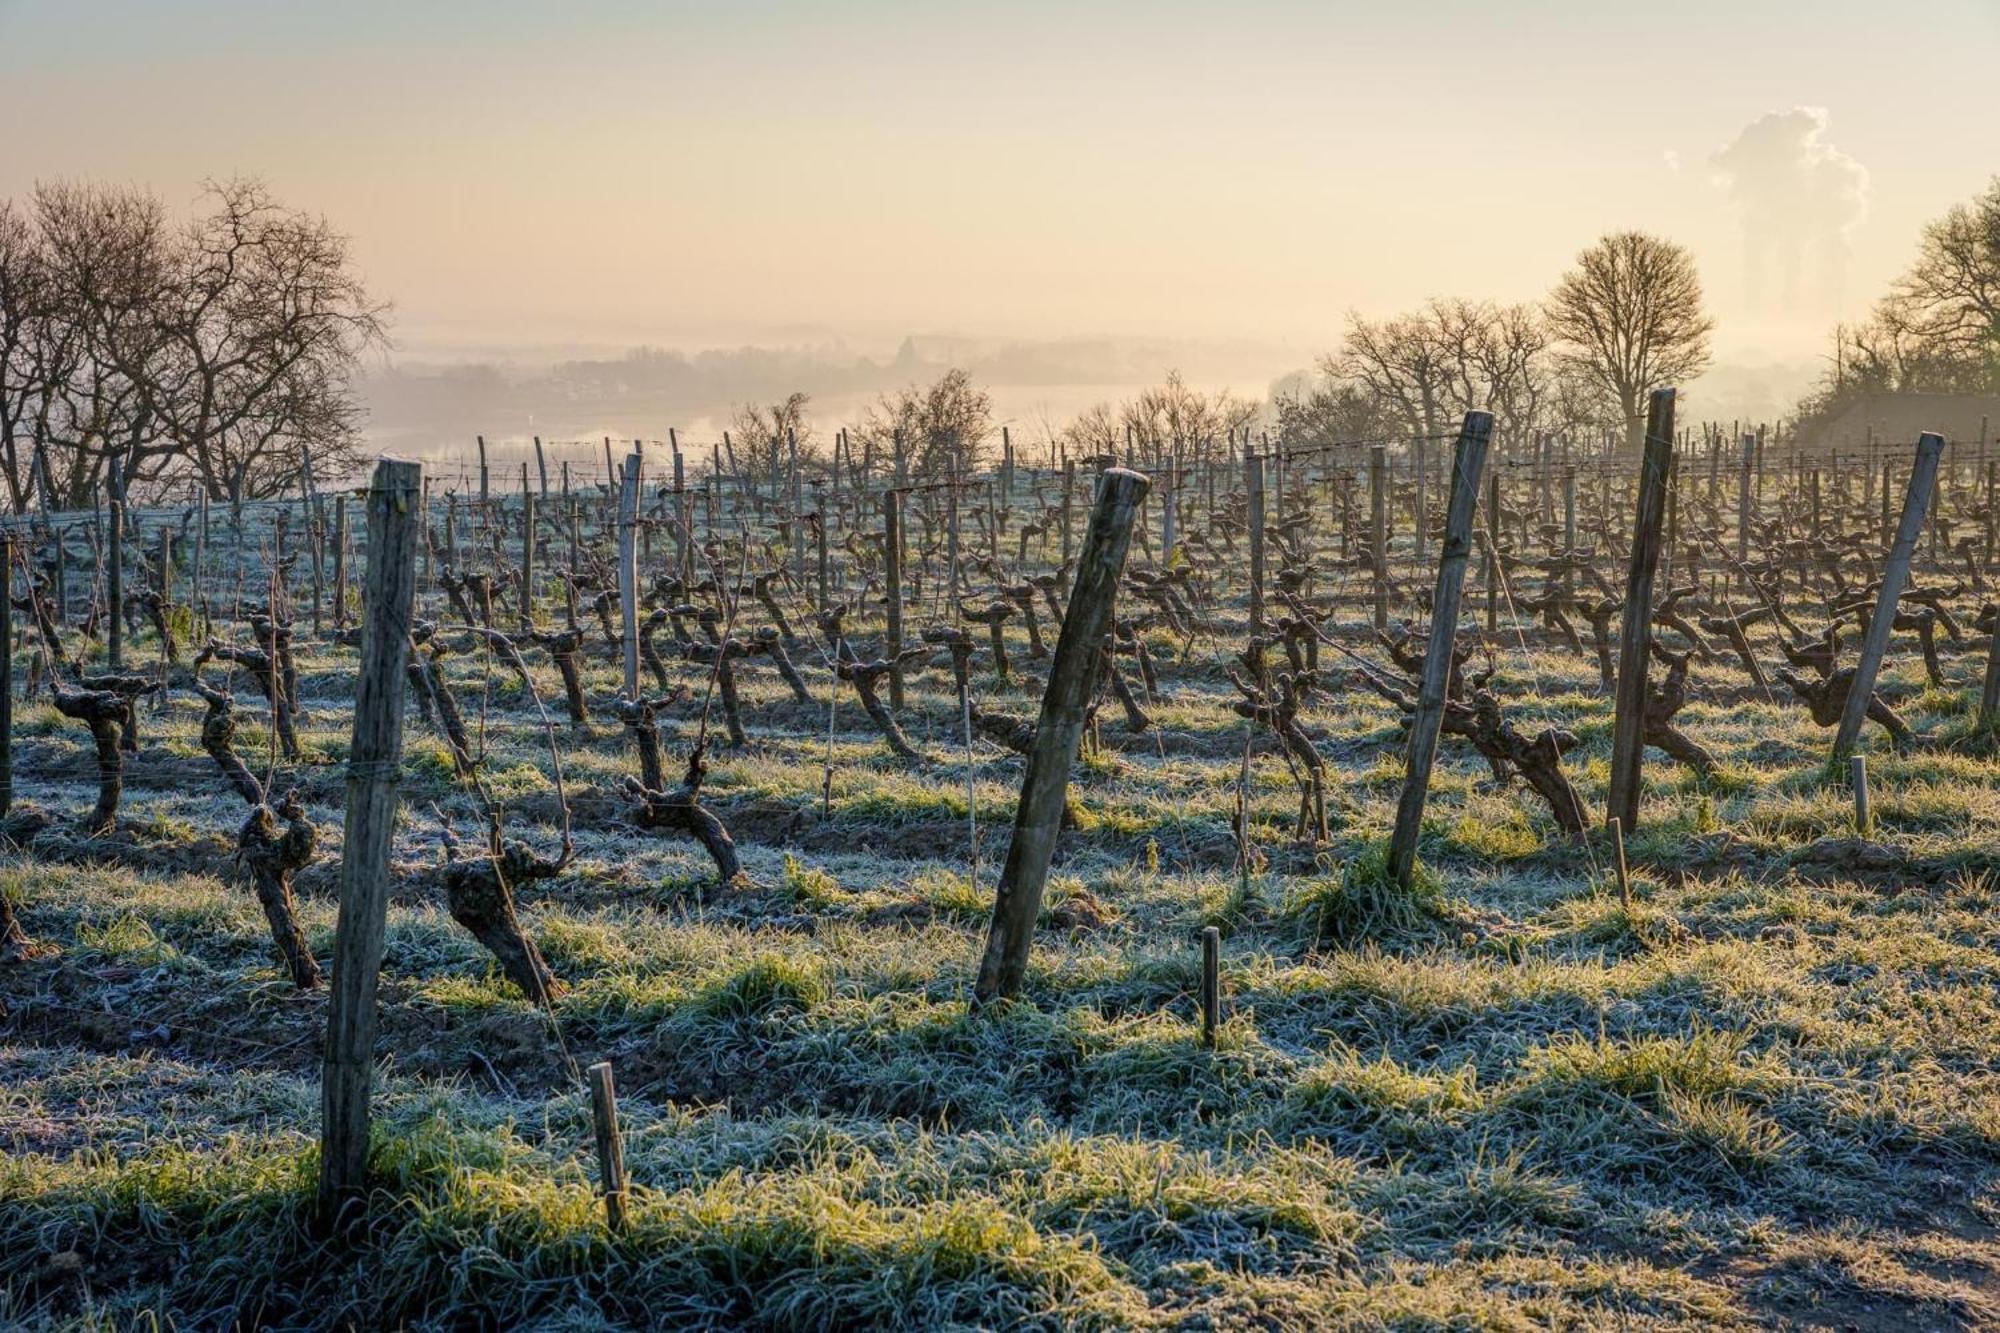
[{"x": 1175, "y": 186}]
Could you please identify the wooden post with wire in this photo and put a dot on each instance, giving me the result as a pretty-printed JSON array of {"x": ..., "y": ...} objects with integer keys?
[
  {"x": 892, "y": 590},
  {"x": 628, "y": 571},
  {"x": 1916, "y": 500},
  {"x": 347, "y": 1064},
  {"x": 1635, "y": 633},
  {"x": 610, "y": 1145},
  {"x": 1253, "y": 487},
  {"x": 1378, "y": 520},
  {"x": 1474, "y": 437},
  {"x": 1072, "y": 682}
]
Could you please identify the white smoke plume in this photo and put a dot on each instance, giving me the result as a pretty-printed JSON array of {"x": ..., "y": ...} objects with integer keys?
[{"x": 1799, "y": 198}]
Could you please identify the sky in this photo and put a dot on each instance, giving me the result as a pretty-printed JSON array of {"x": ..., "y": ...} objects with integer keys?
[{"x": 775, "y": 171}]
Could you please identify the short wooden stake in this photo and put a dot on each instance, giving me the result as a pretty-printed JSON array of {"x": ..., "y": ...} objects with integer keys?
[
  {"x": 1864, "y": 818},
  {"x": 1211, "y": 985},
  {"x": 610, "y": 1144},
  {"x": 1618, "y": 853}
]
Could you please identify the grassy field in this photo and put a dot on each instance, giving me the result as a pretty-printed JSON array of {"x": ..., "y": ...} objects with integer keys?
[{"x": 1766, "y": 1093}]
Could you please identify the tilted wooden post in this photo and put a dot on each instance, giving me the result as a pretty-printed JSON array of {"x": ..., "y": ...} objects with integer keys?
[
  {"x": 1473, "y": 438},
  {"x": 377, "y": 746},
  {"x": 1072, "y": 681},
  {"x": 1635, "y": 634},
  {"x": 1916, "y": 500},
  {"x": 628, "y": 571}
]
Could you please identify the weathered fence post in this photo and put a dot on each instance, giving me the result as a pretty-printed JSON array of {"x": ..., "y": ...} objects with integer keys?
[
  {"x": 1864, "y": 818},
  {"x": 527, "y": 559},
  {"x": 1072, "y": 681},
  {"x": 1211, "y": 985},
  {"x": 892, "y": 586},
  {"x": 1378, "y": 518},
  {"x": 1635, "y": 634},
  {"x": 339, "y": 560},
  {"x": 610, "y": 1144},
  {"x": 1916, "y": 500},
  {"x": 628, "y": 571},
  {"x": 1744, "y": 505},
  {"x": 1468, "y": 461},
  {"x": 1253, "y": 488},
  {"x": 373, "y": 755},
  {"x": 7, "y": 674},
  {"x": 114, "y": 587}
]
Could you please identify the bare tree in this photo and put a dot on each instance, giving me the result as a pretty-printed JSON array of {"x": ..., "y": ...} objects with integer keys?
[
  {"x": 765, "y": 431},
  {"x": 1405, "y": 363},
  {"x": 1951, "y": 296},
  {"x": 1630, "y": 316},
  {"x": 221, "y": 349},
  {"x": 934, "y": 428}
]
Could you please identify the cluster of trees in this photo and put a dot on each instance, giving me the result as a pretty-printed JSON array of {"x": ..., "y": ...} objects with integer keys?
[
  {"x": 1938, "y": 328},
  {"x": 139, "y": 351},
  {"x": 921, "y": 430},
  {"x": 1626, "y": 318},
  {"x": 1170, "y": 420}
]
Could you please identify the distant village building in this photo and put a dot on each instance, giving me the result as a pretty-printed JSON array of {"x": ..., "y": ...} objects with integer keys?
[{"x": 1898, "y": 418}]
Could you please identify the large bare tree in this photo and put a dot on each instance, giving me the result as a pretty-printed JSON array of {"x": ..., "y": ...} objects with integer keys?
[
  {"x": 219, "y": 349},
  {"x": 1630, "y": 316}
]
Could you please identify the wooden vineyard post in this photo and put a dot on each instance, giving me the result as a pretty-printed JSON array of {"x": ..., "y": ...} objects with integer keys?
[
  {"x": 1916, "y": 500},
  {"x": 1072, "y": 681},
  {"x": 1211, "y": 985},
  {"x": 892, "y": 586},
  {"x": 1378, "y": 519},
  {"x": 1069, "y": 490},
  {"x": 684, "y": 508},
  {"x": 484, "y": 478},
  {"x": 1989, "y": 693},
  {"x": 527, "y": 559},
  {"x": 339, "y": 560},
  {"x": 628, "y": 571},
  {"x": 1619, "y": 867},
  {"x": 1253, "y": 489},
  {"x": 349, "y": 1056},
  {"x": 1468, "y": 462},
  {"x": 1744, "y": 504},
  {"x": 1864, "y": 819},
  {"x": 1635, "y": 633},
  {"x": 610, "y": 1144},
  {"x": 1492, "y": 551},
  {"x": 114, "y": 588},
  {"x": 6, "y": 674}
]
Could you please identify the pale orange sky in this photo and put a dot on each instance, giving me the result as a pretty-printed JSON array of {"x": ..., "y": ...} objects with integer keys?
[{"x": 693, "y": 174}]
